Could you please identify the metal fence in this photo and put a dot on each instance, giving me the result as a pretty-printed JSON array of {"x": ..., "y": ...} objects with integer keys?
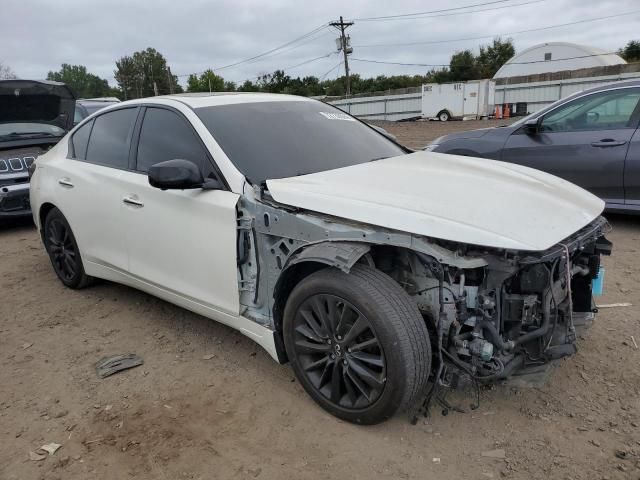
[
  {"x": 537, "y": 91},
  {"x": 538, "y": 95},
  {"x": 382, "y": 107}
]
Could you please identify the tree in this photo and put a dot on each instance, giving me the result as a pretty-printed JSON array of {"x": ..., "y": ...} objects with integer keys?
[
  {"x": 631, "y": 51},
  {"x": 144, "y": 74},
  {"x": 208, "y": 81},
  {"x": 494, "y": 56},
  {"x": 248, "y": 86},
  {"x": 83, "y": 83},
  {"x": 275, "y": 82},
  {"x": 463, "y": 66},
  {"x": 6, "y": 73},
  {"x": 129, "y": 78}
]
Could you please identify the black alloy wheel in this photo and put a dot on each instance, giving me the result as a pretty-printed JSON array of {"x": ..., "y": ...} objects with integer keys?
[
  {"x": 339, "y": 351},
  {"x": 357, "y": 343},
  {"x": 63, "y": 251}
]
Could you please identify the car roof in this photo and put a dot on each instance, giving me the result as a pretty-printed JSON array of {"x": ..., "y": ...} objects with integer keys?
[
  {"x": 206, "y": 99},
  {"x": 609, "y": 86}
]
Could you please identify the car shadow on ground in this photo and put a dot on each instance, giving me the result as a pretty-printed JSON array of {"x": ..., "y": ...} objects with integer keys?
[{"x": 16, "y": 224}]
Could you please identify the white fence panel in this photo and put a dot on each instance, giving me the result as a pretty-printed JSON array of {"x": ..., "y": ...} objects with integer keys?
[{"x": 383, "y": 107}]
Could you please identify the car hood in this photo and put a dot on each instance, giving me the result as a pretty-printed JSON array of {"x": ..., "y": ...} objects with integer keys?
[
  {"x": 33, "y": 101},
  {"x": 473, "y": 134},
  {"x": 463, "y": 199}
]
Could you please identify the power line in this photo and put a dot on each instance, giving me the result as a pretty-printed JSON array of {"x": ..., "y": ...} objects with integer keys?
[
  {"x": 330, "y": 70},
  {"x": 300, "y": 40},
  {"x": 317, "y": 35},
  {"x": 308, "y": 61},
  {"x": 367, "y": 60},
  {"x": 493, "y": 35},
  {"x": 268, "y": 52},
  {"x": 451, "y": 14},
  {"x": 388, "y": 17},
  {"x": 446, "y": 13}
]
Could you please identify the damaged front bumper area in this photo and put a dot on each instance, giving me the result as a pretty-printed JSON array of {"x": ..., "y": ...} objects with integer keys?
[
  {"x": 491, "y": 313},
  {"x": 519, "y": 312}
]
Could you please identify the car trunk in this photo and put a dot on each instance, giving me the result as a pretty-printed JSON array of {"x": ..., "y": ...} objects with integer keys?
[{"x": 33, "y": 101}]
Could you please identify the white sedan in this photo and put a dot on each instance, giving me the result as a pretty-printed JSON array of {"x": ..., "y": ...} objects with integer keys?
[{"x": 384, "y": 276}]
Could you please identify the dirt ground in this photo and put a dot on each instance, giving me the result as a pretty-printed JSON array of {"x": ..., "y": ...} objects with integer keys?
[
  {"x": 419, "y": 134},
  {"x": 209, "y": 404}
]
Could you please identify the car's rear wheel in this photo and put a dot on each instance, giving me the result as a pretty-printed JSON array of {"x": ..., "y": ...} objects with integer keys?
[
  {"x": 357, "y": 343},
  {"x": 63, "y": 251}
]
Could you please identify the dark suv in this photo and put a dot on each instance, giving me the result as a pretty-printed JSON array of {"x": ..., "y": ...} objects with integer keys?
[
  {"x": 34, "y": 116},
  {"x": 590, "y": 138}
]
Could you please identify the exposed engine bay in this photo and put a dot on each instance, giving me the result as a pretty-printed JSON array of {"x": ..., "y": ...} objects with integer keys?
[
  {"x": 520, "y": 311},
  {"x": 490, "y": 312}
]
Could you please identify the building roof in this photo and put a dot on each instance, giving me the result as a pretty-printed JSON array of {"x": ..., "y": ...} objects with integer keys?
[{"x": 555, "y": 57}]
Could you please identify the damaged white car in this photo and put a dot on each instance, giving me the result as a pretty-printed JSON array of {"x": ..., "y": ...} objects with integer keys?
[{"x": 383, "y": 276}]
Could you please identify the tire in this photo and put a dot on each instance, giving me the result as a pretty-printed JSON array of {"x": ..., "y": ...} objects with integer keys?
[
  {"x": 63, "y": 251},
  {"x": 444, "y": 116},
  {"x": 376, "y": 371}
]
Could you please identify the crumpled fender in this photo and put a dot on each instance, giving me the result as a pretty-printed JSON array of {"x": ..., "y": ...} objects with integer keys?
[{"x": 342, "y": 255}]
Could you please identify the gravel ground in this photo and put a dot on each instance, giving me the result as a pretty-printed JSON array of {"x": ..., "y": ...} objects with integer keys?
[{"x": 208, "y": 403}]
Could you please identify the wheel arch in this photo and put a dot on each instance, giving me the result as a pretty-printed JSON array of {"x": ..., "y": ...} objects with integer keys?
[
  {"x": 309, "y": 259},
  {"x": 45, "y": 208}
]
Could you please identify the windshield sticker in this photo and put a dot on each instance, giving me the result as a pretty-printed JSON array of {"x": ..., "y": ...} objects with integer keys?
[{"x": 337, "y": 116}]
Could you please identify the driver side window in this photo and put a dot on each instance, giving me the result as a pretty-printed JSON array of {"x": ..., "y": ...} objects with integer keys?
[
  {"x": 610, "y": 110},
  {"x": 166, "y": 136}
]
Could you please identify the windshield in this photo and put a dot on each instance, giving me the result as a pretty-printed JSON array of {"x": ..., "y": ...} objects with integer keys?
[
  {"x": 29, "y": 129},
  {"x": 268, "y": 140}
]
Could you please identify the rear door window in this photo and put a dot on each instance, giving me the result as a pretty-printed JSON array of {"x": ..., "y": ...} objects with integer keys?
[
  {"x": 80, "y": 140},
  {"x": 110, "y": 138}
]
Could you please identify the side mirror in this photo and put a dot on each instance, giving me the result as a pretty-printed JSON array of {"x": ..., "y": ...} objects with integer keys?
[
  {"x": 179, "y": 175},
  {"x": 532, "y": 126}
]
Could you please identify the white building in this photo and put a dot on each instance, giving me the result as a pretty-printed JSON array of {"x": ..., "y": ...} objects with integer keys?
[{"x": 556, "y": 57}]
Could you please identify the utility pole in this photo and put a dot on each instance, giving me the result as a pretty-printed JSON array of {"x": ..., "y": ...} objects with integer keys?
[
  {"x": 345, "y": 46},
  {"x": 170, "y": 78}
]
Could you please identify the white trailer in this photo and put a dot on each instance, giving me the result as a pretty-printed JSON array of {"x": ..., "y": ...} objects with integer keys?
[{"x": 444, "y": 101}]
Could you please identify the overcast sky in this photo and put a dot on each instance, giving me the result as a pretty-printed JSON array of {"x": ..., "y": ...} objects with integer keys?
[{"x": 38, "y": 35}]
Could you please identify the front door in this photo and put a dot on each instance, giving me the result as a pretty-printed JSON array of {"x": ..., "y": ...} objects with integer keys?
[
  {"x": 183, "y": 241},
  {"x": 584, "y": 141}
]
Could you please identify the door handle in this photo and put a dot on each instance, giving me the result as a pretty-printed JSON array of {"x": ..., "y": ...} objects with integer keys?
[
  {"x": 65, "y": 182},
  {"x": 133, "y": 201},
  {"x": 608, "y": 142}
]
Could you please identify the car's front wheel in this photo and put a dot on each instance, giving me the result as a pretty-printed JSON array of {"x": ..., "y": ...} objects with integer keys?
[
  {"x": 63, "y": 251},
  {"x": 357, "y": 343}
]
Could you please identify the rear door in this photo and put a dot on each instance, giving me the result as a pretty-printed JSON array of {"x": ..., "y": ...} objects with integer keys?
[
  {"x": 584, "y": 141},
  {"x": 89, "y": 186},
  {"x": 470, "y": 99},
  {"x": 183, "y": 241}
]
